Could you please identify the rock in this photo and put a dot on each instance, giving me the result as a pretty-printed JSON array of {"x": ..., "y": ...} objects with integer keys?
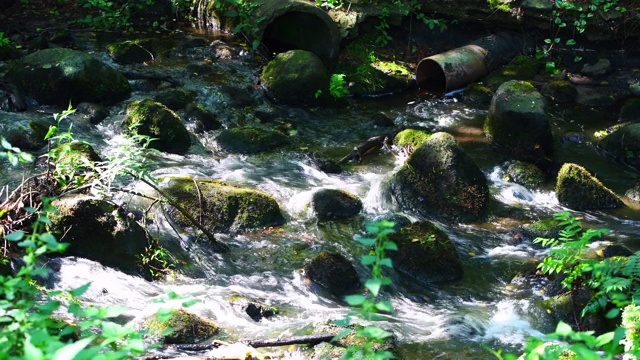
[
  {"x": 250, "y": 140},
  {"x": 441, "y": 182},
  {"x": 596, "y": 97},
  {"x": 382, "y": 120},
  {"x": 624, "y": 145},
  {"x": 630, "y": 111},
  {"x": 518, "y": 122},
  {"x": 57, "y": 76},
  {"x": 94, "y": 113},
  {"x": 411, "y": 139},
  {"x": 577, "y": 189},
  {"x": 99, "y": 231},
  {"x": 10, "y": 98},
  {"x": 150, "y": 118},
  {"x": 204, "y": 119},
  {"x": 601, "y": 67},
  {"x": 187, "y": 328},
  {"x": 547, "y": 228},
  {"x": 333, "y": 204},
  {"x": 561, "y": 91},
  {"x": 522, "y": 67},
  {"x": 175, "y": 99},
  {"x": 567, "y": 307},
  {"x": 221, "y": 206},
  {"x": 62, "y": 38},
  {"x": 254, "y": 309},
  {"x": 525, "y": 174},
  {"x": 334, "y": 273},
  {"x": 425, "y": 254},
  {"x": 634, "y": 192},
  {"x": 132, "y": 52},
  {"x": 29, "y": 137},
  {"x": 478, "y": 93},
  {"x": 294, "y": 77}
]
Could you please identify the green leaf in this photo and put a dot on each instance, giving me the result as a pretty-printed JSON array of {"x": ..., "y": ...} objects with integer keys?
[
  {"x": 190, "y": 302},
  {"x": 368, "y": 259},
  {"x": 374, "y": 286},
  {"x": 386, "y": 262},
  {"x": 15, "y": 235},
  {"x": 5, "y": 144},
  {"x": 563, "y": 329},
  {"x": 79, "y": 291},
  {"x": 70, "y": 351},
  {"x": 384, "y": 306},
  {"x": 355, "y": 300},
  {"x": 31, "y": 352},
  {"x": 571, "y": 42},
  {"x": 382, "y": 355},
  {"x": 341, "y": 334},
  {"x": 366, "y": 241},
  {"x": 390, "y": 245},
  {"x": 374, "y": 332}
]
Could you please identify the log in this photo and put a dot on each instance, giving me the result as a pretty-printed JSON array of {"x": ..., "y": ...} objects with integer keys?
[
  {"x": 293, "y": 340},
  {"x": 370, "y": 146}
]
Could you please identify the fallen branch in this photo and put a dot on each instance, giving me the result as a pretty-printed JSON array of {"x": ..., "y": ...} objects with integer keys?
[
  {"x": 293, "y": 340},
  {"x": 369, "y": 147}
]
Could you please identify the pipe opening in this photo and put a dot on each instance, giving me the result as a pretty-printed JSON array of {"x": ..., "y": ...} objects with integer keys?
[
  {"x": 299, "y": 30},
  {"x": 430, "y": 77}
]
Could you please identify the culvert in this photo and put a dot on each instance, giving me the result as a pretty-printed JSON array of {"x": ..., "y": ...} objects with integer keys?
[{"x": 294, "y": 24}]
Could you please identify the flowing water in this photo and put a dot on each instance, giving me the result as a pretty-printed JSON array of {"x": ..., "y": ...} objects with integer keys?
[{"x": 445, "y": 321}]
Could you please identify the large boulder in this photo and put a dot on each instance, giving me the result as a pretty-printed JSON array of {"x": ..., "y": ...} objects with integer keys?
[
  {"x": 151, "y": 118},
  {"x": 100, "y": 231},
  {"x": 250, "y": 140},
  {"x": 294, "y": 77},
  {"x": 630, "y": 111},
  {"x": 221, "y": 206},
  {"x": 425, "y": 253},
  {"x": 334, "y": 204},
  {"x": 577, "y": 189},
  {"x": 179, "y": 327},
  {"x": 333, "y": 272},
  {"x": 624, "y": 145},
  {"x": 518, "y": 122},
  {"x": 440, "y": 181},
  {"x": 57, "y": 76}
]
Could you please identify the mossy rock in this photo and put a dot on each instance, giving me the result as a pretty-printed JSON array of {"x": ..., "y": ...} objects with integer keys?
[
  {"x": 546, "y": 228},
  {"x": 624, "y": 145},
  {"x": 187, "y": 328},
  {"x": 567, "y": 307},
  {"x": 29, "y": 137},
  {"x": 132, "y": 52},
  {"x": 561, "y": 91},
  {"x": 250, "y": 140},
  {"x": 440, "y": 181},
  {"x": 630, "y": 111},
  {"x": 525, "y": 174},
  {"x": 294, "y": 77},
  {"x": 334, "y": 204},
  {"x": 204, "y": 119},
  {"x": 94, "y": 113},
  {"x": 256, "y": 310},
  {"x": 478, "y": 93},
  {"x": 150, "y": 118},
  {"x": 99, "y": 231},
  {"x": 522, "y": 67},
  {"x": 175, "y": 99},
  {"x": 334, "y": 273},
  {"x": 221, "y": 206},
  {"x": 518, "y": 122},
  {"x": 425, "y": 254},
  {"x": 411, "y": 139},
  {"x": 577, "y": 189},
  {"x": 57, "y": 76},
  {"x": 336, "y": 349}
]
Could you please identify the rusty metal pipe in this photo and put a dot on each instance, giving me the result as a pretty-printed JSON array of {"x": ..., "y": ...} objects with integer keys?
[{"x": 454, "y": 69}]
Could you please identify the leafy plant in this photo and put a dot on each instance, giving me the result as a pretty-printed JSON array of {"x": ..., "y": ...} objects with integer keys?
[
  {"x": 338, "y": 86},
  {"x": 112, "y": 15},
  {"x": 4, "y": 41},
  {"x": 13, "y": 154},
  {"x": 367, "y": 305},
  {"x": 248, "y": 23}
]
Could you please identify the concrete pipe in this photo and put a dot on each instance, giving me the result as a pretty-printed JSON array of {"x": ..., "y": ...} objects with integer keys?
[
  {"x": 295, "y": 24},
  {"x": 454, "y": 69}
]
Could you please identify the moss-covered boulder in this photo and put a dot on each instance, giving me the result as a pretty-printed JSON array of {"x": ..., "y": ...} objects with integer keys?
[
  {"x": 57, "y": 76},
  {"x": 624, "y": 145},
  {"x": 182, "y": 327},
  {"x": 411, "y": 139},
  {"x": 175, "y": 99},
  {"x": 93, "y": 113},
  {"x": 577, "y": 189},
  {"x": 546, "y": 228},
  {"x": 294, "y": 77},
  {"x": 525, "y": 174},
  {"x": 440, "y": 181},
  {"x": 99, "y": 231},
  {"x": 425, "y": 254},
  {"x": 221, "y": 206},
  {"x": 27, "y": 135},
  {"x": 630, "y": 111},
  {"x": 333, "y": 272},
  {"x": 132, "y": 52},
  {"x": 334, "y": 204},
  {"x": 478, "y": 93},
  {"x": 561, "y": 91},
  {"x": 150, "y": 118},
  {"x": 203, "y": 119},
  {"x": 518, "y": 122},
  {"x": 522, "y": 67},
  {"x": 250, "y": 140}
]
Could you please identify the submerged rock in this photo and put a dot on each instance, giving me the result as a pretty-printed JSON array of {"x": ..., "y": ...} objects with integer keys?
[
  {"x": 624, "y": 145},
  {"x": 151, "y": 118},
  {"x": 525, "y": 174},
  {"x": 518, "y": 122},
  {"x": 179, "y": 327},
  {"x": 333, "y": 204},
  {"x": 440, "y": 181},
  {"x": 57, "y": 76},
  {"x": 426, "y": 254},
  {"x": 204, "y": 119},
  {"x": 334, "y": 273},
  {"x": 577, "y": 189},
  {"x": 99, "y": 231},
  {"x": 250, "y": 140},
  {"x": 221, "y": 206}
]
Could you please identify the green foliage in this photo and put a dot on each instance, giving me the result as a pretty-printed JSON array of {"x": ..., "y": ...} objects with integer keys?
[
  {"x": 4, "y": 41},
  {"x": 499, "y": 5},
  {"x": 13, "y": 154},
  {"x": 367, "y": 306},
  {"x": 156, "y": 261},
  {"x": 248, "y": 23},
  {"x": 338, "y": 86},
  {"x": 329, "y": 4},
  {"x": 112, "y": 15}
]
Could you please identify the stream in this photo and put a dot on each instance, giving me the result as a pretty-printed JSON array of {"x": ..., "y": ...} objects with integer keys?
[{"x": 458, "y": 320}]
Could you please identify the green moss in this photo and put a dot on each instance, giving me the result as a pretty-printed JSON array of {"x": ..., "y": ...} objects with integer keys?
[
  {"x": 392, "y": 68},
  {"x": 525, "y": 174},
  {"x": 411, "y": 139},
  {"x": 520, "y": 68},
  {"x": 577, "y": 189},
  {"x": 250, "y": 140},
  {"x": 547, "y": 228},
  {"x": 150, "y": 118},
  {"x": 184, "y": 328}
]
